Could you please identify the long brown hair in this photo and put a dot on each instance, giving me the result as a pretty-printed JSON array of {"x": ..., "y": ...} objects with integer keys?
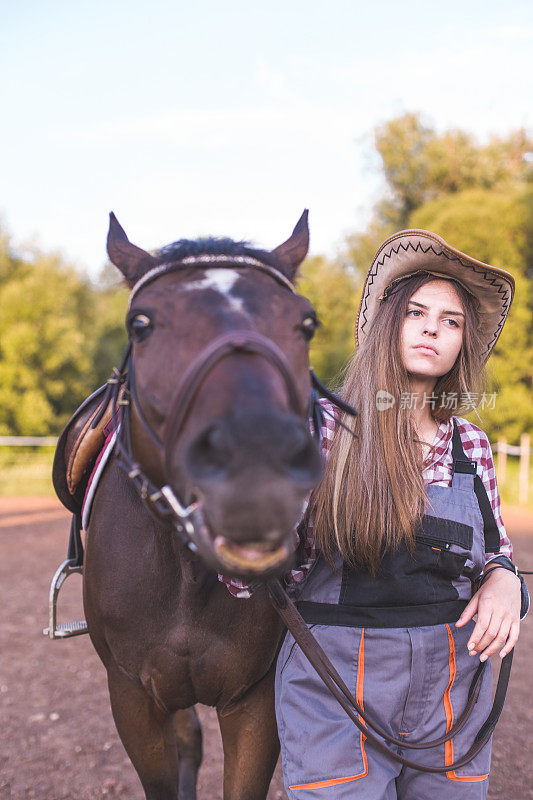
[{"x": 372, "y": 494}]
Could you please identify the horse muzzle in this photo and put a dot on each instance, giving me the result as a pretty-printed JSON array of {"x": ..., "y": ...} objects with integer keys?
[{"x": 246, "y": 560}]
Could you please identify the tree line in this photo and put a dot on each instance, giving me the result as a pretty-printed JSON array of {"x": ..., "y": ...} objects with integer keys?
[
  {"x": 61, "y": 333},
  {"x": 479, "y": 197},
  {"x": 60, "y": 336}
]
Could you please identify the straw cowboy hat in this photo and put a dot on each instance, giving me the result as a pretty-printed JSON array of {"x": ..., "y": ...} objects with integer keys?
[{"x": 412, "y": 251}]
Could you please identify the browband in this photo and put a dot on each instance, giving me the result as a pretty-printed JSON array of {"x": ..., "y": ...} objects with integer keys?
[{"x": 211, "y": 261}]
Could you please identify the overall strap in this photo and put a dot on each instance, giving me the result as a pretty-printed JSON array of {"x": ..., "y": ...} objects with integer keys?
[{"x": 462, "y": 464}]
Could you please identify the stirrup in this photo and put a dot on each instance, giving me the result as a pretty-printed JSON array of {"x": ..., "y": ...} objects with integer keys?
[{"x": 55, "y": 631}]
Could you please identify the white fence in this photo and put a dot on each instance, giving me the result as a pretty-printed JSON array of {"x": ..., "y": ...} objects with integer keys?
[
  {"x": 501, "y": 448},
  {"x": 29, "y": 441},
  {"x": 524, "y": 451}
]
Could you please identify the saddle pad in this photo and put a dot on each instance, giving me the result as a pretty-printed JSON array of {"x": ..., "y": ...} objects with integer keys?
[{"x": 96, "y": 474}]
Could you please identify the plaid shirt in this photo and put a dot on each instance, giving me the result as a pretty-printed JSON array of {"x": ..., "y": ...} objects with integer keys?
[{"x": 438, "y": 470}]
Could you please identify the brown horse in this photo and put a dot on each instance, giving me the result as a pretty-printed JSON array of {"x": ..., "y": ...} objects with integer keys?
[{"x": 215, "y": 414}]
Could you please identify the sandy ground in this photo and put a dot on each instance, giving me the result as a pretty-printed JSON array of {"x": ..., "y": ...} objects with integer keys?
[{"x": 58, "y": 740}]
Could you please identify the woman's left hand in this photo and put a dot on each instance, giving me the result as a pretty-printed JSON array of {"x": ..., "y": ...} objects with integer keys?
[{"x": 497, "y": 605}]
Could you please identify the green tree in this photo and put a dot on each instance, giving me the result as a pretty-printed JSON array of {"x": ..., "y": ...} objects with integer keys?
[
  {"x": 480, "y": 199},
  {"x": 109, "y": 335},
  {"x": 420, "y": 165},
  {"x": 44, "y": 359},
  {"x": 497, "y": 227},
  {"x": 402, "y": 144},
  {"x": 11, "y": 265},
  {"x": 334, "y": 292}
]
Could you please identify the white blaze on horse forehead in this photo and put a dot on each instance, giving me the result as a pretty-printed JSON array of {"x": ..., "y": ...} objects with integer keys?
[{"x": 222, "y": 281}]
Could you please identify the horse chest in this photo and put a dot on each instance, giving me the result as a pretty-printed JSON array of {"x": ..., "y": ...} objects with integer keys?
[{"x": 211, "y": 661}]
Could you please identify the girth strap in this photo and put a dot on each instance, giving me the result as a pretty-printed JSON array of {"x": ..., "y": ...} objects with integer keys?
[
  {"x": 75, "y": 544},
  {"x": 462, "y": 464}
]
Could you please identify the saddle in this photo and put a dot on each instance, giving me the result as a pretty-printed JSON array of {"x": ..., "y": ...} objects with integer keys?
[{"x": 78, "y": 448}]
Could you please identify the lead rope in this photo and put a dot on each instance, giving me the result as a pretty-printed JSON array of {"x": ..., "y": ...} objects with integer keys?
[{"x": 327, "y": 672}]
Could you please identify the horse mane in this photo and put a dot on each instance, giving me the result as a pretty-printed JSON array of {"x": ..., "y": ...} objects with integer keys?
[{"x": 213, "y": 246}]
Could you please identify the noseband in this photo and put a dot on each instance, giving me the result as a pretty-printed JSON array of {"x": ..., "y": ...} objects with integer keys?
[{"x": 224, "y": 345}]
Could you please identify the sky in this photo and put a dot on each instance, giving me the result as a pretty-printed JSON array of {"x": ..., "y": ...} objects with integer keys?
[{"x": 189, "y": 119}]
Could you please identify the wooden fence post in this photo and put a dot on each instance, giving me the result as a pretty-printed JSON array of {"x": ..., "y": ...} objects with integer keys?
[
  {"x": 523, "y": 478},
  {"x": 501, "y": 463}
]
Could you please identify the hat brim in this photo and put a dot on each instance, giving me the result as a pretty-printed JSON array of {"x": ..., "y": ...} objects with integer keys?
[{"x": 412, "y": 251}]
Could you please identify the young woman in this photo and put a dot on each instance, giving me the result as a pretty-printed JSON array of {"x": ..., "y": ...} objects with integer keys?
[{"x": 404, "y": 524}]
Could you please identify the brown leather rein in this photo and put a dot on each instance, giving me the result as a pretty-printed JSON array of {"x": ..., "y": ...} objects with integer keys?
[{"x": 333, "y": 681}]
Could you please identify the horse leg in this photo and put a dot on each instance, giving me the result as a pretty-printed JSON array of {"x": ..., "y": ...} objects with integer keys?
[
  {"x": 250, "y": 742},
  {"x": 148, "y": 737},
  {"x": 189, "y": 741}
]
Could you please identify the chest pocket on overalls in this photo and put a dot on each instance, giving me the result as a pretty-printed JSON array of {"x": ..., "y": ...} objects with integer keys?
[
  {"x": 428, "y": 573},
  {"x": 408, "y": 577},
  {"x": 443, "y": 546}
]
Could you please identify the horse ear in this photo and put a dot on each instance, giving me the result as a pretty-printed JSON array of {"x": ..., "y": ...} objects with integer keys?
[
  {"x": 292, "y": 252},
  {"x": 131, "y": 260}
]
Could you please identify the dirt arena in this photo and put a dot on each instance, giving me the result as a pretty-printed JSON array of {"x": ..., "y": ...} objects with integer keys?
[{"x": 58, "y": 741}]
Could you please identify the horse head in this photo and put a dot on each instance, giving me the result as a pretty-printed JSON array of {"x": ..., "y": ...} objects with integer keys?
[{"x": 220, "y": 390}]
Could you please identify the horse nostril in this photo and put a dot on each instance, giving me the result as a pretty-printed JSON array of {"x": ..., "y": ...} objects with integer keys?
[
  {"x": 304, "y": 462},
  {"x": 214, "y": 439},
  {"x": 208, "y": 454}
]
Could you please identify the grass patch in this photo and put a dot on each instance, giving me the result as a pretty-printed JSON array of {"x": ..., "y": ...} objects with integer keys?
[{"x": 26, "y": 470}]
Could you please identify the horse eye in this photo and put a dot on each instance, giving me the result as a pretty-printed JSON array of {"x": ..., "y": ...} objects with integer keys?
[
  {"x": 140, "y": 326},
  {"x": 309, "y": 326}
]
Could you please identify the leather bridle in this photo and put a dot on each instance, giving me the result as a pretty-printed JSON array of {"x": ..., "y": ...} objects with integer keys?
[{"x": 188, "y": 521}]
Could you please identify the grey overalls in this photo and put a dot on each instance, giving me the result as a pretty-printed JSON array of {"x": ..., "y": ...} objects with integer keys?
[{"x": 394, "y": 643}]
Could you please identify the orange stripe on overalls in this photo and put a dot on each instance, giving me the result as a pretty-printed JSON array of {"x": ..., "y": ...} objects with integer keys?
[
  {"x": 448, "y": 747},
  {"x": 359, "y": 698}
]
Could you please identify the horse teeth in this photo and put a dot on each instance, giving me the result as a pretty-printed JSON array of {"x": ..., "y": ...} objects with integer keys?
[{"x": 251, "y": 558}]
